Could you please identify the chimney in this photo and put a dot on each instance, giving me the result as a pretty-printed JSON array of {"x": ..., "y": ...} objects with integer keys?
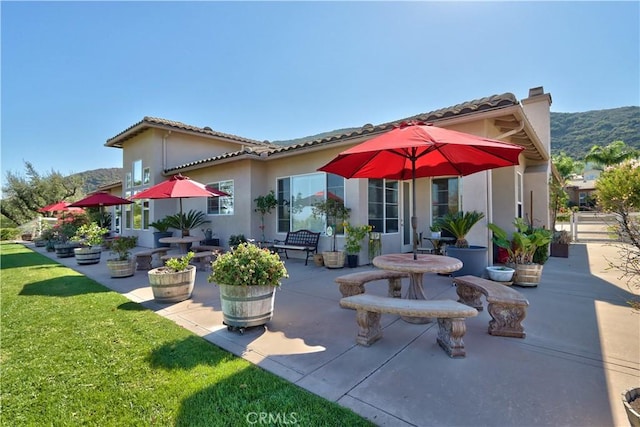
[{"x": 537, "y": 108}]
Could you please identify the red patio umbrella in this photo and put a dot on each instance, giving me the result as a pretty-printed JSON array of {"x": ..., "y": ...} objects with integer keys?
[
  {"x": 418, "y": 150},
  {"x": 100, "y": 199},
  {"x": 178, "y": 187},
  {"x": 58, "y": 207}
]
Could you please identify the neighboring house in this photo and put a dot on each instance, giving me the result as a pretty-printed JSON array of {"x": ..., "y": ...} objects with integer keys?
[
  {"x": 154, "y": 149},
  {"x": 581, "y": 193}
]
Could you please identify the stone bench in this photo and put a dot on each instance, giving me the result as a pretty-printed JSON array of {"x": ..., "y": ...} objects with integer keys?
[
  {"x": 506, "y": 306},
  {"x": 205, "y": 248},
  {"x": 353, "y": 284},
  {"x": 202, "y": 259},
  {"x": 144, "y": 258},
  {"x": 450, "y": 315}
]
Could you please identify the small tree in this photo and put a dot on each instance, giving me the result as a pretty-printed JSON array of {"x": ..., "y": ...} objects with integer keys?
[
  {"x": 335, "y": 213},
  {"x": 618, "y": 191},
  {"x": 264, "y": 204}
]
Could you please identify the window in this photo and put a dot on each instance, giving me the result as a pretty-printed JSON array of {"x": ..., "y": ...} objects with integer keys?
[
  {"x": 145, "y": 214},
  {"x": 384, "y": 209},
  {"x": 445, "y": 197},
  {"x": 136, "y": 214},
  {"x": 127, "y": 183},
  {"x": 127, "y": 212},
  {"x": 222, "y": 205},
  {"x": 137, "y": 173},
  {"x": 146, "y": 176},
  {"x": 519, "y": 192},
  {"x": 297, "y": 195}
]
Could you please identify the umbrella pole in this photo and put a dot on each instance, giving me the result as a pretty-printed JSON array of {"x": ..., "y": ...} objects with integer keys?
[{"x": 414, "y": 218}]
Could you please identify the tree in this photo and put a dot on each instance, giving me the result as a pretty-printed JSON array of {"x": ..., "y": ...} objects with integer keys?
[
  {"x": 566, "y": 167},
  {"x": 264, "y": 204},
  {"x": 618, "y": 191},
  {"x": 610, "y": 155},
  {"x": 24, "y": 195}
]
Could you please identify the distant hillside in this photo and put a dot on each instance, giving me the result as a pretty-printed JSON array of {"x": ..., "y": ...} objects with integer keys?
[
  {"x": 97, "y": 177},
  {"x": 576, "y": 133}
]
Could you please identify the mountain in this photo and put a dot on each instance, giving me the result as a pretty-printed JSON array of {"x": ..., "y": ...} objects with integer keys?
[
  {"x": 95, "y": 178},
  {"x": 576, "y": 133}
]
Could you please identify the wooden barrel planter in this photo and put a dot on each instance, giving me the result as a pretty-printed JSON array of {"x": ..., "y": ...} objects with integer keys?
[
  {"x": 119, "y": 268},
  {"x": 246, "y": 306},
  {"x": 64, "y": 250},
  {"x": 169, "y": 286},
  {"x": 527, "y": 275},
  {"x": 333, "y": 259},
  {"x": 87, "y": 256}
]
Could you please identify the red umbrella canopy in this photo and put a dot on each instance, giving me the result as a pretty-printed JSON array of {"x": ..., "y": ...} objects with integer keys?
[
  {"x": 425, "y": 150},
  {"x": 101, "y": 198},
  {"x": 59, "y": 206},
  {"x": 416, "y": 150},
  {"x": 178, "y": 186}
]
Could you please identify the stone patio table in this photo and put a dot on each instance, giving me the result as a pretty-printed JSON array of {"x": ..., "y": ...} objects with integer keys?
[
  {"x": 416, "y": 268},
  {"x": 183, "y": 242}
]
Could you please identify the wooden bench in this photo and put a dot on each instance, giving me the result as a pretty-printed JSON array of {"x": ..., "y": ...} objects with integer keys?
[
  {"x": 506, "y": 306},
  {"x": 202, "y": 259},
  {"x": 353, "y": 284},
  {"x": 145, "y": 258},
  {"x": 450, "y": 315},
  {"x": 301, "y": 240}
]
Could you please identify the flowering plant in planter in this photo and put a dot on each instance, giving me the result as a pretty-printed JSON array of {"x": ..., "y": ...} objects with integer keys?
[
  {"x": 355, "y": 235},
  {"x": 121, "y": 246},
  {"x": 90, "y": 234},
  {"x": 248, "y": 265}
]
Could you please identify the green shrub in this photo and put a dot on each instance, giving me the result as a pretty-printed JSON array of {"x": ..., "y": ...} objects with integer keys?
[
  {"x": 9, "y": 233},
  {"x": 179, "y": 264}
]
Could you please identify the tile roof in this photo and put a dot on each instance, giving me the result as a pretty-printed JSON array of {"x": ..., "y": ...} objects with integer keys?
[
  {"x": 262, "y": 149},
  {"x": 155, "y": 122}
]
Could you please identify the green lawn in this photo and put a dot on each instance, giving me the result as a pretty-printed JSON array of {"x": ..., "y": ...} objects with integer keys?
[{"x": 74, "y": 352}]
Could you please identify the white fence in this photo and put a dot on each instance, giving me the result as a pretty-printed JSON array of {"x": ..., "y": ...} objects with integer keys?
[{"x": 590, "y": 226}]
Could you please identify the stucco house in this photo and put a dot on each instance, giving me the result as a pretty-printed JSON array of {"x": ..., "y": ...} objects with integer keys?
[{"x": 154, "y": 149}]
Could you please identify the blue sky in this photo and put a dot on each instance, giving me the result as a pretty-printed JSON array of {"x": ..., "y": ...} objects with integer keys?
[{"x": 77, "y": 73}]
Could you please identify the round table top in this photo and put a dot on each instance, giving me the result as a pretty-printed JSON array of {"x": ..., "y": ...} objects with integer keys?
[
  {"x": 424, "y": 264},
  {"x": 184, "y": 239}
]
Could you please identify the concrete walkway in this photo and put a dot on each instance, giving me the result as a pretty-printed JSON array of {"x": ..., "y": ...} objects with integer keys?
[{"x": 581, "y": 351}]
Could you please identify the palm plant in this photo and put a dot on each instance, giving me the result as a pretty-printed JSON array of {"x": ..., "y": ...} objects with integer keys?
[
  {"x": 186, "y": 222},
  {"x": 611, "y": 154},
  {"x": 459, "y": 224}
]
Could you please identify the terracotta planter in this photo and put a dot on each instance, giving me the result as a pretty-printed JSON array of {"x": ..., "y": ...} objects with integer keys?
[
  {"x": 169, "y": 286},
  {"x": 318, "y": 260},
  {"x": 119, "y": 268},
  {"x": 87, "y": 256},
  {"x": 333, "y": 259},
  {"x": 245, "y": 306}
]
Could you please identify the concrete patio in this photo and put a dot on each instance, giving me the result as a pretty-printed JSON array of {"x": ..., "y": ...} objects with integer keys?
[{"x": 581, "y": 351}]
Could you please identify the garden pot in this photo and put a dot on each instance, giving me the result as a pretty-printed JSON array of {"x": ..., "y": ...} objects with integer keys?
[
  {"x": 119, "y": 268},
  {"x": 352, "y": 261},
  {"x": 500, "y": 274},
  {"x": 245, "y": 306},
  {"x": 40, "y": 243},
  {"x": 169, "y": 286},
  {"x": 157, "y": 235},
  {"x": 333, "y": 259},
  {"x": 318, "y": 260},
  {"x": 474, "y": 260},
  {"x": 87, "y": 256},
  {"x": 26, "y": 237},
  {"x": 633, "y": 413},
  {"x": 560, "y": 250},
  {"x": 527, "y": 275},
  {"x": 64, "y": 250}
]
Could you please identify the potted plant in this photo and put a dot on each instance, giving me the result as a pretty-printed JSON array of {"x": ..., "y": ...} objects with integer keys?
[
  {"x": 185, "y": 222},
  {"x": 335, "y": 213},
  {"x": 174, "y": 281},
  {"x": 527, "y": 250},
  {"x": 162, "y": 227},
  {"x": 474, "y": 258},
  {"x": 264, "y": 204},
  {"x": 248, "y": 277},
  {"x": 123, "y": 265},
  {"x": 502, "y": 274},
  {"x": 90, "y": 236},
  {"x": 560, "y": 244},
  {"x": 353, "y": 242},
  {"x": 236, "y": 239},
  {"x": 631, "y": 402},
  {"x": 64, "y": 229},
  {"x": 436, "y": 231}
]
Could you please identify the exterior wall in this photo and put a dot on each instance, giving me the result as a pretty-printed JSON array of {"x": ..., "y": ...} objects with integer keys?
[{"x": 184, "y": 148}]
